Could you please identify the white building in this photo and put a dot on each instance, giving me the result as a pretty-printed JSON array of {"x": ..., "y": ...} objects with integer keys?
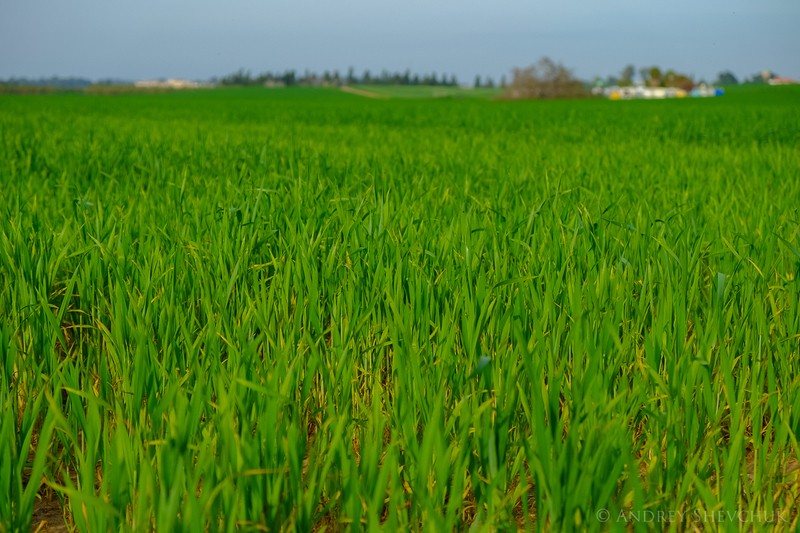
[
  {"x": 168, "y": 84},
  {"x": 657, "y": 93}
]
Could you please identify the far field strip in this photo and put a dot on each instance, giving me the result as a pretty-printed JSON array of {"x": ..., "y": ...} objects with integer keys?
[{"x": 361, "y": 92}]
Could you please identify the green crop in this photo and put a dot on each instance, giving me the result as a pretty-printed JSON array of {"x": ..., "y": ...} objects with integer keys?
[{"x": 252, "y": 310}]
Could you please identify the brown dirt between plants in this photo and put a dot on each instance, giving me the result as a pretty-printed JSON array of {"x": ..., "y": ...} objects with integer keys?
[{"x": 48, "y": 516}]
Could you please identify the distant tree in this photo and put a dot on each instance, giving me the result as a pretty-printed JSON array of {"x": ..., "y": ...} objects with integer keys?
[
  {"x": 676, "y": 79},
  {"x": 241, "y": 77},
  {"x": 650, "y": 76},
  {"x": 626, "y": 77},
  {"x": 545, "y": 79},
  {"x": 503, "y": 81},
  {"x": 351, "y": 76},
  {"x": 489, "y": 84},
  {"x": 726, "y": 78},
  {"x": 759, "y": 78},
  {"x": 289, "y": 78},
  {"x": 654, "y": 77},
  {"x": 263, "y": 79},
  {"x": 477, "y": 83},
  {"x": 366, "y": 78}
]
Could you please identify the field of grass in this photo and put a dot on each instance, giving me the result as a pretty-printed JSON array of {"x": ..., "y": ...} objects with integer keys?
[{"x": 252, "y": 310}]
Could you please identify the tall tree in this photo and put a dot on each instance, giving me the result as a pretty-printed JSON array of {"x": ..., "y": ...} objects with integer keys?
[
  {"x": 626, "y": 77},
  {"x": 644, "y": 75},
  {"x": 655, "y": 77},
  {"x": 676, "y": 79},
  {"x": 545, "y": 79},
  {"x": 727, "y": 78}
]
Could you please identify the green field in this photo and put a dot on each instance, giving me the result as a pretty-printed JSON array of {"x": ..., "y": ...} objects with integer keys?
[{"x": 265, "y": 310}]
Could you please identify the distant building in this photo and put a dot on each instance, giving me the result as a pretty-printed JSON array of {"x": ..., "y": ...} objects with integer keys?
[
  {"x": 654, "y": 93},
  {"x": 169, "y": 84},
  {"x": 780, "y": 80}
]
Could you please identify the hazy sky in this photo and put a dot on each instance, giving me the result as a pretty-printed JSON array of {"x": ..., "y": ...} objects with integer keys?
[{"x": 199, "y": 39}]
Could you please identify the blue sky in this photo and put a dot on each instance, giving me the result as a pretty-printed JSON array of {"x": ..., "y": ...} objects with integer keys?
[{"x": 202, "y": 38}]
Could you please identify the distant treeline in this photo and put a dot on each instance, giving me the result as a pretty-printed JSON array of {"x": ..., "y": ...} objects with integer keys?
[
  {"x": 333, "y": 78},
  {"x": 60, "y": 83},
  {"x": 546, "y": 79},
  {"x": 53, "y": 81}
]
